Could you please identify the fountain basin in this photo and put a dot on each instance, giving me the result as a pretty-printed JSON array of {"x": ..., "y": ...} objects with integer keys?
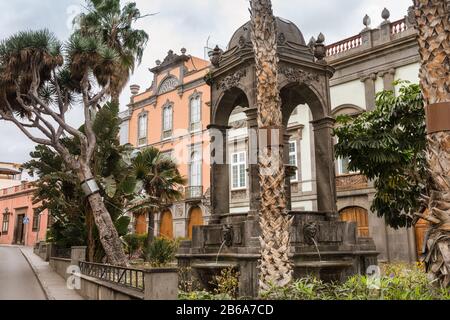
[{"x": 206, "y": 272}]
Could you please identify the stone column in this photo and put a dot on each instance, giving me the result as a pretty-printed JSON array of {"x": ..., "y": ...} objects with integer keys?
[
  {"x": 369, "y": 86},
  {"x": 220, "y": 179},
  {"x": 77, "y": 254},
  {"x": 253, "y": 168},
  {"x": 325, "y": 170},
  {"x": 286, "y": 138},
  {"x": 388, "y": 79}
]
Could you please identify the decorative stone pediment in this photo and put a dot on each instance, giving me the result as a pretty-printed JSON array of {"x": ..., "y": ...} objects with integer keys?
[
  {"x": 299, "y": 76},
  {"x": 232, "y": 80}
]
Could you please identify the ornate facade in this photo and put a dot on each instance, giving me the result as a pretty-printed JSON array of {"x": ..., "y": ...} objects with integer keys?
[{"x": 351, "y": 72}]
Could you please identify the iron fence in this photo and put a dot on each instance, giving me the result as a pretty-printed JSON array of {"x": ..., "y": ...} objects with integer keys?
[{"x": 126, "y": 277}]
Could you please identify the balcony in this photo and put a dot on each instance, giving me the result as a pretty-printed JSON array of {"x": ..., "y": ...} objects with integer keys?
[
  {"x": 351, "y": 182},
  {"x": 193, "y": 193}
]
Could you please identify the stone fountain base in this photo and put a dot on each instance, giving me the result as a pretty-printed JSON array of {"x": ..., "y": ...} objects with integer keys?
[{"x": 320, "y": 246}]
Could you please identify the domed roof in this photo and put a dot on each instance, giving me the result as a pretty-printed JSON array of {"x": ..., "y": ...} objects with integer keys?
[{"x": 287, "y": 32}]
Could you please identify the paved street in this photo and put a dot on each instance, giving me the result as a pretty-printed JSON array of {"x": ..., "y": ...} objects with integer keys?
[{"x": 17, "y": 280}]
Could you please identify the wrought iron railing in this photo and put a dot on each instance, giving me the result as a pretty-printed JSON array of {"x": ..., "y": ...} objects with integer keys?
[
  {"x": 194, "y": 192},
  {"x": 126, "y": 277}
]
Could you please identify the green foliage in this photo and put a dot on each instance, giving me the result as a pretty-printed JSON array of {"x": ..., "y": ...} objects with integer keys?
[
  {"x": 134, "y": 243},
  {"x": 388, "y": 145},
  {"x": 59, "y": 191},
  {"x": 202, "y": 295},
  {"x": 112, "y": 25},
  {"x": 161, "y": 252},
  {"x": 397, "y": 282},
  {"x": 227, "y": 283}
]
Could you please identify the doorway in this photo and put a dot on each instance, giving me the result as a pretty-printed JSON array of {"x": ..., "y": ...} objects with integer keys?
[{"x": 19, "y": 233}]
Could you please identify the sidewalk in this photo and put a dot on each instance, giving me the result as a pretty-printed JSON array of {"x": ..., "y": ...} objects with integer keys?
[{"x": 53, "y": 285}]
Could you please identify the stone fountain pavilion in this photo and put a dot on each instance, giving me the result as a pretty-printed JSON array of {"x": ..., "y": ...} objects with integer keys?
[{"x": 321, "y": 244}]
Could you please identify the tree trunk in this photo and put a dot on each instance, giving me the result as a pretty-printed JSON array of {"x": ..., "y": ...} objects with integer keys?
[
  {"x": 433, "y": 25},
  {"x": 275, "y": 266},
  {"x": 109, "y": 237},
  {"x": 90, "y": 234},
  {"x": 150, "y": 229}
]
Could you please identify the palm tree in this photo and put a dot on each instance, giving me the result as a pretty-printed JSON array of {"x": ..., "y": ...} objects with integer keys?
[
  {"x": 160, "y": 180},
  {"x": 275, "y": 266},
  {"x": 114, "y": 26},
  {"x": 433, "y": 25}
]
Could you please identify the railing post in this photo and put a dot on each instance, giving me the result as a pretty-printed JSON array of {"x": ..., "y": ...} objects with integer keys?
[
  {"x": 77, "y": 254},
  {"x": 161, "y": 284}
]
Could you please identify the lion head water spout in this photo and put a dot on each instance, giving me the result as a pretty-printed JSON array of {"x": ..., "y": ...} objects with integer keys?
[
  {"x": 227, "y": 236},
  {"x": 311, "y": 231}
]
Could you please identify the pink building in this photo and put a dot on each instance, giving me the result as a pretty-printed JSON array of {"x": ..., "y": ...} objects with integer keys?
[{"x": 20, "y": 223}]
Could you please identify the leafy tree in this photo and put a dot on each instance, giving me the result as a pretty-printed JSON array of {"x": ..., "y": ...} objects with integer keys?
[
  {"x": 160, "y": 182},
  {"x": 59, "y": 191},
  {"x": 114, "y": 25},
  {"x": 41, "y": 79},
  {"x": 388, "y": 146}
]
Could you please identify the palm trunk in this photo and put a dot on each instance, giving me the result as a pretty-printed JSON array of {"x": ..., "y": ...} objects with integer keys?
[
  {"x": 275, "y": 265},
  {"x": 150, "y": 228},
  {"x": 433, "y": 25}
]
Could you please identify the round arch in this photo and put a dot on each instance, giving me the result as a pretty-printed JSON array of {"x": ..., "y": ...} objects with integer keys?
[
  {"x": 294, "y": 94},
  {"x": 346, "y": 109},
  {"x": 195, "y": 218},
  {"x": 166, "y": 225},
  {"x": 358, "y": 215},
  {"x": 227, "y": 101}
]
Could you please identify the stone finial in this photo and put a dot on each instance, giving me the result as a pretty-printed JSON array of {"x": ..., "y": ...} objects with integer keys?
[
  {"x": 134, "y": 88},
  {"x": 367, "y": 21},
  {"x": 312, "y": 43},
  {"x": 183, "y": 51},
  {"x": 215, "y": 56},
  {"x": 385, "y": 14},
  {"x": 319, "y": 49}
]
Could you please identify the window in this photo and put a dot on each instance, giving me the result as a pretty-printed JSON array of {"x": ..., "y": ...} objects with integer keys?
[
  {"x": 142, "y": 130},
  {"x": 195, "y": 170},
  {"x": 293, "y": 160},
  {"x": 343, "y": 166},
  {"x": 238, "y": 170},
  {"x": 36, "y": 220},
  {"x": 5, "y": 224},
  {"x": 195, "y": 113},
  {"x": 167, "y": 122}
]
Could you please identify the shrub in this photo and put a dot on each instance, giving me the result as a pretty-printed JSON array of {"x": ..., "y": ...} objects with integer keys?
[
  {"x": 134, "y": 244},
  {"x": 161, "y": 252},
  {"x": 227, "y": 283}
]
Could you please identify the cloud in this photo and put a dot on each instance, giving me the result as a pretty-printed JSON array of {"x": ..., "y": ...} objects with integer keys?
[{"x": 188, "y": 24}]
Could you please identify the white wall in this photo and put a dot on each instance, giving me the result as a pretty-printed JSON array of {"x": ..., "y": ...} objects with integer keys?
[
  {"x": 352, "y": 92},
  {"x": 409, "y": 73}
]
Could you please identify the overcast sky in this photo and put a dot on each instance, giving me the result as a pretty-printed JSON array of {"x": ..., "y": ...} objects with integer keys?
[{"x": 185, "y": 23}]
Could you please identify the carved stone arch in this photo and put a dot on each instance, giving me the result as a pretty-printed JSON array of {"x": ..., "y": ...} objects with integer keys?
[
  {"x": 167, "y": 84},
  {"x": 347, "y": 109},
  {"x": 295, "y": 94},
  {"x": 226, "y": 102}
]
